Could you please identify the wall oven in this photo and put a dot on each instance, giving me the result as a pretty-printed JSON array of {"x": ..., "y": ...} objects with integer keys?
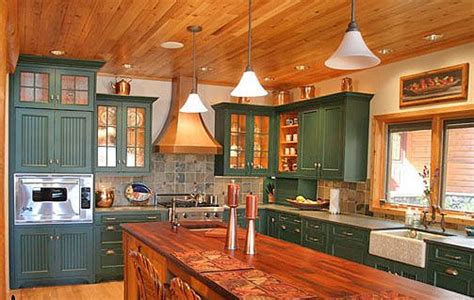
[{"x": 53, "y": 198}]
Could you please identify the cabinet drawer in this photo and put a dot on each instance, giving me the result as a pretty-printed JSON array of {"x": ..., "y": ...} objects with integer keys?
[
  {"x": 111, "y": 257},
  {"x": 314, "y": 241},
  {"x": 118, "y": 219},
  {"x": 111, "y": 233},
  {"x": 350, "y": 233},
  {"x": 315, "y": 226},
  {"x": 451, "y": 278},
  {"x": 290, "y": 218},
  {"x": 290, "y": 232},
  {"x": 453, "y": 257}
]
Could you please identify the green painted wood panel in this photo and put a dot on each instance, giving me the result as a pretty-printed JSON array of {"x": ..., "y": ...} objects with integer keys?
[
  {"x": 33, "y": 252},
  {"x": 73, "y": 138},
  {"x": 309, "y": 142},
  {"x": 332, "y": 145},
  {"x": 410, "y": 272},
  {"x": 34, "y": 141},
  {"x": 273, "y": 223},
  {"x": 74, "y": 250},
  {"x": 441, "y": 275}
]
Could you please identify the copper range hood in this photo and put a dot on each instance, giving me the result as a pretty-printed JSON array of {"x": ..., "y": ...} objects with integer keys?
[{"x": 185, "y": 133}]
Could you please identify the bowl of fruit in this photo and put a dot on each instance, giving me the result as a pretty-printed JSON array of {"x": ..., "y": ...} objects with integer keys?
[{"x": 308, "y": 204}]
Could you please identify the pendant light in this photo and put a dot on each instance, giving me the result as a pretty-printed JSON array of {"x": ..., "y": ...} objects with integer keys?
[
  {"x": 249, "y": 86},
  {"x": 353, "y": 53},
  {"x": 194, "y": 103}
]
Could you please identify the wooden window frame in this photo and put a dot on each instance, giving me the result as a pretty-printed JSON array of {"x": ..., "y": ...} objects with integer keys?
[{"x": 437, "y": 117}]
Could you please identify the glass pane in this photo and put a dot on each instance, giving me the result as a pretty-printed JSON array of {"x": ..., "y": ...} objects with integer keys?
[
  {"x": 112, "y": 116},
  {"x": 102, "y": 156},
  {"x": 67, "y": 97},
  {"x": 408, "y": 179},
  {"x": 42, "y": 80},
  {"x": 27, "y": 79},
  {"x": 41, "y": 95},
  {"x": 82, "y": 83},
  {"x": 141, "y": 117},
  {"x": 67, "y": 82},
  {"x": 102, "y": 115},
  {"x": 27, "y": 94},
  {"x": 130, "y": 157},
  {"x": 140, "y": 157},
  {"x": 458, "y": 191},
  {"x": 131, "y": 142},
  {"x": 131, "y": 117},
  {"x": 141, "y": 138},
  {"x": 111, "y": 156},
  {"x": 102, "y": 136},
  {"x": 111, "y": 136},
  {"x": 82, "y": 97}
]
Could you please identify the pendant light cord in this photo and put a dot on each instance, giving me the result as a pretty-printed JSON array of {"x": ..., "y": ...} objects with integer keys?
[
  {"x": 194, "y": 65},
  {"x": 249, "y": 65},
  {"x": 353, "y": 24}
]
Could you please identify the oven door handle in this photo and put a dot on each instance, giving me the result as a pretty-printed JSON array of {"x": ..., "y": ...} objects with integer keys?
[{"x": 48, "y": 181}]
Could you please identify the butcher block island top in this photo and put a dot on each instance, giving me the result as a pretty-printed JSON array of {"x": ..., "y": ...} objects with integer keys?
[{"x": 280, "y": 269}]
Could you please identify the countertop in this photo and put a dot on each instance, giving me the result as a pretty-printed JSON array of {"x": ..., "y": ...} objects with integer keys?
[
  {"x": 321, "y": 274},
  {"x": 130, "y": 208},
  {"x": 463, "y": 242}
]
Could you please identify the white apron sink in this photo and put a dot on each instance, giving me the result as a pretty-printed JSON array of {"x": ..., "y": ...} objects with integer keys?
[{"x": 397, "y": 245}]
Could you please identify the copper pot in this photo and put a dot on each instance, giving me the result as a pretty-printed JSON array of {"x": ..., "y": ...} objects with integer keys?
[
  {"x": 121, "y": 87},
  {"x": 104, "y": 198},
  {"x": 281, "y": 97},
  {"x": 307, "y": 92}
]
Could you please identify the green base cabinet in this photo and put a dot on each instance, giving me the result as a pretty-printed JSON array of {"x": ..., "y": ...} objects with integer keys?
[
  {"x": 273, "y": 223},
  {"x": 347, "y": 242},
  {"x": 397, "y": 268},
  {"x": 290, "y": 228},
  {"x": 46, "y": 255},
  {"x": 315, "y": 235}
]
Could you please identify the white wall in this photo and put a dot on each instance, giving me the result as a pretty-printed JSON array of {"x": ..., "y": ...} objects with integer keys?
[
  {"x": 384, "y": 81},
  {"x": 211, "y": 94}
]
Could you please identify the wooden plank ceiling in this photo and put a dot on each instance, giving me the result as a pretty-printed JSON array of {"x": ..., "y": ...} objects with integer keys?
[{"x": 286, "y": 33}]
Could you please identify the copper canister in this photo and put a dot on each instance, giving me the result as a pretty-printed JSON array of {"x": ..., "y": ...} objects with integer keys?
[
  {"x": 307, "y": 92},
  {"x": 122, "y": 87},
  {"x": 281, "y": 97},
  {"x": 346, "y": 84}
]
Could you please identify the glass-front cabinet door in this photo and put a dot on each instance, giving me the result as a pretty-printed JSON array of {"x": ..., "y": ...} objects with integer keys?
[
  {"x": 74, "y": 89},
  {"x": 34, "y": 87},
  {"x": 136, "y": 150},
  {"x": 259, "y": 162},
  {"x": 107, "y": 137},
  {"x": 238, "y": 143}
]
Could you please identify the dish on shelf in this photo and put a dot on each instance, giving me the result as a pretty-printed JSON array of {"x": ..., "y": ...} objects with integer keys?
[
  {"x": 138, "y": 193},
  {"x": 309, "y": 204}
]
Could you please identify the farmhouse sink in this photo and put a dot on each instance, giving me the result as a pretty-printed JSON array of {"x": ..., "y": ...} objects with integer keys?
[{"x": 403, "y": 245}]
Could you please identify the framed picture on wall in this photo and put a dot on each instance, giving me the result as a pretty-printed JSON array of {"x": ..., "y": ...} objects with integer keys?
[{"x": 440, "y": 85}]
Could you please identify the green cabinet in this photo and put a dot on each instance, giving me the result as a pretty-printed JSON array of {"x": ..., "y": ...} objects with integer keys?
[
  {"x": 397, "y": 268},
  {"x": 53, "y": 140},
  {"x": 272, "y": 223},
  {"x": 314, "y": 235},
  {"x": 123, "y": 134},
  {"x": 247, "y": 135},
  {"x": 41, "y": 82},
  {"x": 290, "y": 228},
  {"x": 52, "y": 254},
  {"x": 348, "y": 242},
  {"x": 333, "y": 140},
  {"x": 451, "y": 268},
  {"x": 108, "y": 240}
]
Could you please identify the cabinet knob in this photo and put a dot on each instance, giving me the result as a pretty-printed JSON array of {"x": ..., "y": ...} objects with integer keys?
[
  {"x": 251, "y": 164},
  {"x": 110, "y": 252},
  {"x": 273, "y": 220},
  {"x": 313, "y": 239},
  {"x": 118, "y": 162},
  {"x": 315, "y": 165},
  {"x": 319, "y": 165},
  {"x": 52, "y": 97},
  {"x": 110, "y": 219},
  {"x": 57, "y": 237},
  {"x": 452, "y": 271},
  {"x": 151, "y": 218},
  {"x": 50, "y": 161},
  {"x": 123, "y": 161},
  {"x": 51, "y": 237},
  {"x": 283, "y": 227},
  {"x": 57, "y": 161}
]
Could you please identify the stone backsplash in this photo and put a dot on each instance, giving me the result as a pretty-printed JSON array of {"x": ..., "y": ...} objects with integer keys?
[
  {"x": 354, "y": 195},
  {"x": 180, "y": 173}
]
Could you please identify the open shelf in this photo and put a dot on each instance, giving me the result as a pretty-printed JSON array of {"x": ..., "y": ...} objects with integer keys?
[{"x": 288, "y": 162}]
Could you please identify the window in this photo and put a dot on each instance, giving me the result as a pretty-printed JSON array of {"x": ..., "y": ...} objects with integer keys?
[
  {"x": 458, "y": 166},
  {"x": 408, "y": 153}
]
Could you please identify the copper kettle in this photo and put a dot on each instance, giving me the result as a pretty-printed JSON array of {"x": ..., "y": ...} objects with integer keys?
[{"x": 121, "y": 87}]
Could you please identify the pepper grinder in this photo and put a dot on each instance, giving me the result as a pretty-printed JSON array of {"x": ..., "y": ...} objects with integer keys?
[
  {"x": 251, "y": 212},
  {"x": 232, "y": 202}
]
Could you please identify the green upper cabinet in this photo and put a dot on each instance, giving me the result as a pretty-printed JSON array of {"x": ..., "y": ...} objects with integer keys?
[
  {"x": 123, "y": 133},
  {"x": 246, "y": 133},
  {"x": 334, "y": 137},
  {"x": 43, "y": 82},
  {"x": 52, "y": 140}
]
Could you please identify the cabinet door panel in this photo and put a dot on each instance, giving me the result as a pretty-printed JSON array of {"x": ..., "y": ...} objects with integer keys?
[
  {"x": 136, "y": 138},
  {"x": 273, "y": 224},
  {"x": 34, "y": 140},
  {"x": 34, "y": 87},
  {"x": 74, "y": 251},
  {"x": 259, "y": 148},
  {"x": 74, "y": 89},
  {"x": 331, "y": 155},
  {"x": 73, "y": 141},
  {"x": 451, "y": 278},
  {"x": 33, "y": 253},
  {"x": 238, "y": 141},
  {"x": 108, "y": 137},
  {"x": 309, "y": 142},
  {"x": 347, "y": 249}
]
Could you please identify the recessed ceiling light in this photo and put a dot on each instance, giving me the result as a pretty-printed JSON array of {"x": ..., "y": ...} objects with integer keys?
[
  {"x": 301, "y": 68},
  {"x": 127, "y": 66},
  {"x": 433, "y": 37},
  {"x": 385, "y": 51},
  {"x": 172, "y": 45},
  {"x": 269, "y": 79},
  {"x": 206, "y": 69},
  {"x": 57, "y": 52}
]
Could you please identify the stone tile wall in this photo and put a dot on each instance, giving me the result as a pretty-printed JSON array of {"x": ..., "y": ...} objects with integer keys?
[{"x": 354, "y": 195}]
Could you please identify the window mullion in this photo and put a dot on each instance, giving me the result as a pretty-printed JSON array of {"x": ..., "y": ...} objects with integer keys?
[{"x": 436, "y": 158}]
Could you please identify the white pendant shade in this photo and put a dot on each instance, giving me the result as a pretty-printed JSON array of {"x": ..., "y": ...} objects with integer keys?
[
  {"x": 249, "y": 86},
  {"x": 193, "y": 104},
  {"x": 352, "y": 54}
]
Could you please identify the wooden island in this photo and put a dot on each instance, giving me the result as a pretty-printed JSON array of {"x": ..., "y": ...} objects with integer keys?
[{"x": 316, "y": 275}]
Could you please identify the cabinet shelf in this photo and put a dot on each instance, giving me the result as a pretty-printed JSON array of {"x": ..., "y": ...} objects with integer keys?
[
  {"x": 289, "y": 126},
  {"x": 288, "y": 143},
  {"x": 289, "y": 155}
]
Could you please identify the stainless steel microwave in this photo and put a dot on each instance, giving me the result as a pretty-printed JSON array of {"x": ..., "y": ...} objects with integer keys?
[{"x": 53, "y": 198}]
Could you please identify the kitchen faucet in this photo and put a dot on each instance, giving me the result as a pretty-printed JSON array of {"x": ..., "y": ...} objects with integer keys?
[{"x": 434, "y": 209}]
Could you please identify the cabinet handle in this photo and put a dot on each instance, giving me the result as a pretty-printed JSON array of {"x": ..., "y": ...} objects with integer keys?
[
  {"x": 50, "y": 161},
  {"x": 315, "y": 226},
  {"x": 283, "y": 227},
  {"x": 110, "y": 228},
  {"x": 251, "y": 164},
  {"x": 313, "y": 239},
  {"x": 452, "y": 271},
  {"x": 319, "y": 165},
  {"x": 123, "y": 161},
  {"x": 347, "y": 233},
  {"x": 57, "y": 161},
  {"x": 297, "y": 230},
  {"x": 315, "y": 165},
  {"x": 51, "y": 237},
  {"x": 118, "y": 162},
  {"x": 110, "y": 219},
  {"x": 57, "y": 237},
  {"x": 452, "y": 257},
  {"x": 110, "y": 252},
  {"x": 273, "y": 220},
  {"x": 57, "y": 97},
  {"x": 296, "y": 221},
  {"x": 151, "y": 218},
  {"x": 52, "y": 97}
]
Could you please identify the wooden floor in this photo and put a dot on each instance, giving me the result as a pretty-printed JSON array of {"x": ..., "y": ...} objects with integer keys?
[{"x": 102, "y": 291}]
